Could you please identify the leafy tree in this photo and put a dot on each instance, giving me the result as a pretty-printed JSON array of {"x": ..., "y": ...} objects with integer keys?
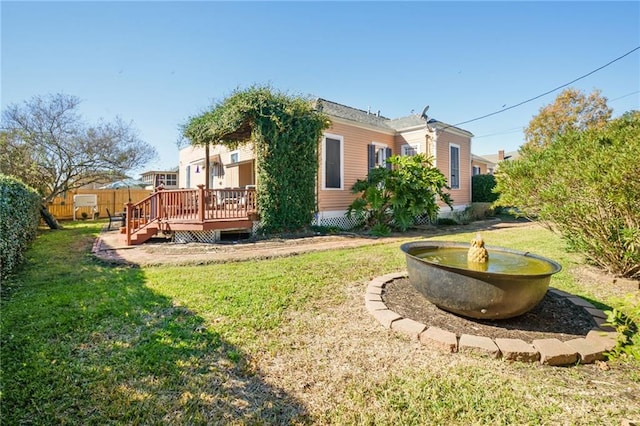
[
  {"x": 393, "y": 198},
  {"x": 46, "y": 143},
  {"x": 572, "y": 110},
  {"x": 586, "y": 186}
]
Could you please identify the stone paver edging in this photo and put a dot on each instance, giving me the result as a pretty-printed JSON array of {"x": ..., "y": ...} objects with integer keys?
[{"x": 546, "y": 351}]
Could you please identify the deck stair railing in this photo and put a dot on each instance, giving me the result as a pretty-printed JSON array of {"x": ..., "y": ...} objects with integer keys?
[{"x": 166, "y": 207}]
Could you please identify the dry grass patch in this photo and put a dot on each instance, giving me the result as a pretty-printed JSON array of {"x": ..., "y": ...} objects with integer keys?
[{"x": 346, "y": 369}]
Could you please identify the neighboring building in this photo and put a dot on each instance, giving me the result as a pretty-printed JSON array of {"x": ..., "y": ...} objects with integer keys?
[
  {"x": 481, "y": 166},
  {"x": 356, "y": 141},
  {"x": 501, "y": 156},
  {"x": 153, "y": 178}
]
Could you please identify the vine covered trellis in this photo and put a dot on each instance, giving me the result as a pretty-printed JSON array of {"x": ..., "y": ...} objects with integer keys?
[{"x": 285, "y": 131}]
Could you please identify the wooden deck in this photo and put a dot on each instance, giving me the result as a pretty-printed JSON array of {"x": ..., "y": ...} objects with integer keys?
[{"x": 189, "y": 210}]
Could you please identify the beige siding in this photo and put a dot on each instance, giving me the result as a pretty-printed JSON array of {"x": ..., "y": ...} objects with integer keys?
[
  {"x": 462, "y": 196},
  {"x": 354, "y": 163},
  {"x": 483, "y": 167},
  {"x": 233, "y": 177},
  {"x": 415, "y": 137}
]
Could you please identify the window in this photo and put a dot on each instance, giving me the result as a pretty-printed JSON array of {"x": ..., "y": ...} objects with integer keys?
[
  {"x": 217, "y": 170},
  {"x": 454, "y": 166},
  {"x": 332, "y": 164},
  {"x": 172, "y": 179},
  {"x": 410, "y": 149},
  {"x": 377, "y": 155},
  {"x": 476, "y": 170},
  {"x": 233, "y": 157}
]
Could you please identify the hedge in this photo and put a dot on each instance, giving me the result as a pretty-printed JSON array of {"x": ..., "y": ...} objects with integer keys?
[
  {"x": 482, "y": 189},
  {"x": 19, "y": 218}
]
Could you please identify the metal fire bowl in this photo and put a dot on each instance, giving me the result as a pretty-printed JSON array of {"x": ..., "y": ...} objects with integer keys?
[{"x": 475, "y": 294}]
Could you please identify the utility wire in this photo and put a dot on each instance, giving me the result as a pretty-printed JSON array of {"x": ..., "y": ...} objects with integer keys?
[
  {"x": 547, "y": 92},
  {"x": 518, "y": 129}
]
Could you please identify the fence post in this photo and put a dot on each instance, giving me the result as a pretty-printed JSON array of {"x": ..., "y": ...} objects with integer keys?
[{"x": 201, "y": 203}]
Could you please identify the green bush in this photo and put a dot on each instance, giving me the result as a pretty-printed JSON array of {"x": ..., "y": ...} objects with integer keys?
[
  {"x": 482, "y": 189},
  {"x": 585, "y": 185},
  {"x": 393, "y": 198},
  {"x": 19, "y": 218}
]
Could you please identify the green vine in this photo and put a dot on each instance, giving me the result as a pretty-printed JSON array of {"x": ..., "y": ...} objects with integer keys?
[{"x": 285, "y": 131}]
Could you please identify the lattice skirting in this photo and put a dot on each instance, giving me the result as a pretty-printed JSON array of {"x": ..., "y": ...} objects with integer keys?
[
  {"x": 342, "y": 222},
  {"x": 183, "y": 237}
]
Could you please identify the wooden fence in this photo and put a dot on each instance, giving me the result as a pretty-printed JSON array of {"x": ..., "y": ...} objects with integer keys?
[{"x": 112, "y": 199}]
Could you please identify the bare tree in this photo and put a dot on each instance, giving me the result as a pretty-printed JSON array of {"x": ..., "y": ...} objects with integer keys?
[{"x": 46, "y": 143}]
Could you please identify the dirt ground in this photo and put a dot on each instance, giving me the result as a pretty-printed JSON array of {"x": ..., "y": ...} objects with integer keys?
[
  {"x": 110, "y": 246},
  {"x": 554, "y": 317}
]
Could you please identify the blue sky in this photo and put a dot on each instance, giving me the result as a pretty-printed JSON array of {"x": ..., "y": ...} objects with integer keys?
[{"x": 158, "y": 63}]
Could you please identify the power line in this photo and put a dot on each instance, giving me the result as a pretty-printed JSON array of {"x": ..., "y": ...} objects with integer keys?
[
  {"x": 504, "y": 132},
  {"x": 547, "y": 92},
  {"x": 519, "y": 129},
  {"x": 624, "y": 96}
]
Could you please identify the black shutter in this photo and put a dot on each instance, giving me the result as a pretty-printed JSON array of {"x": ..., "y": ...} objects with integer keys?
[{"x": 371, "y": 157}]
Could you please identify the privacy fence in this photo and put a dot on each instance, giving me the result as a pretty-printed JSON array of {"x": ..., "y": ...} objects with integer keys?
[{"x": 112, "y": 199}]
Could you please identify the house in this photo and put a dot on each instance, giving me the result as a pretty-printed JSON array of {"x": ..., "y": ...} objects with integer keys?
[
  {"x": 154, "y": 178},
  {"x": 496, "y": 159},
  {"x": 356, "y": 141},
  {"x": 481, "y": 166}
]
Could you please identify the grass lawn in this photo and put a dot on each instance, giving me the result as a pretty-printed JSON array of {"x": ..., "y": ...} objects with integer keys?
[{"x": 278, "y": 341}]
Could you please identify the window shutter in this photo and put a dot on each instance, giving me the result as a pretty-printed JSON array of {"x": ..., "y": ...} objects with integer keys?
[
  {"x": 371, "y": 157},
  {"x": 387, "y": 155}
]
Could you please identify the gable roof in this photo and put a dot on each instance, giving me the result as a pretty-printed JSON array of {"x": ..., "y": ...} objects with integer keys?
[
  {"x": 365, "y": 117},
  {"x": 511, "y": 155},
  {"x": 482, "y": 159}
]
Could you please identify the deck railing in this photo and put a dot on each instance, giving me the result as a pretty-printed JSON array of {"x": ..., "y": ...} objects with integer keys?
[{"x": 189, "y": 206}]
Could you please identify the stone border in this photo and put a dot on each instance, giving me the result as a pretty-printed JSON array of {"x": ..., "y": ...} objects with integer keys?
[{"x": 545, "y": 351}]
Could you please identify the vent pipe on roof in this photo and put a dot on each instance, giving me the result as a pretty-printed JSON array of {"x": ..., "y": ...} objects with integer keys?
[
  {"x": 378, "y": 114},
  {"x": 369, "y": 110}
]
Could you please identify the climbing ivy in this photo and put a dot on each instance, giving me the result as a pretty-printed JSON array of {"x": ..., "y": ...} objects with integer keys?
[{"x": 285, "y": 131}]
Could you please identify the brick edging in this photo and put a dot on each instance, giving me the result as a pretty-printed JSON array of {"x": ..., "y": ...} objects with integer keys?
[{"x": 546, "y": 351}]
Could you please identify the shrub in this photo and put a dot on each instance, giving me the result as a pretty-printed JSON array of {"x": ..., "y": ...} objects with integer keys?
[
  {"x": 482, "y": 189},
  {"x": 393, "y": 198},
  {"x": 586, "y": 186},
  {"x": 19, "y": 218}
]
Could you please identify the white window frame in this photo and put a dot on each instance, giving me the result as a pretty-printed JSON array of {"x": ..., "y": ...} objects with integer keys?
[
  {"x": 451, "y": 145},
  {"x": 382, "y": 149},
  {"x": 324, "y": 161},
  {"x": 171, "y": 179},
  {"x": 414, "y": 146},
  {"x": 231, "y": 154}
]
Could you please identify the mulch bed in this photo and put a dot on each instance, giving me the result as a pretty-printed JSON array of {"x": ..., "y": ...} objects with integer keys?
[{"x": 555, "y": 316}]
